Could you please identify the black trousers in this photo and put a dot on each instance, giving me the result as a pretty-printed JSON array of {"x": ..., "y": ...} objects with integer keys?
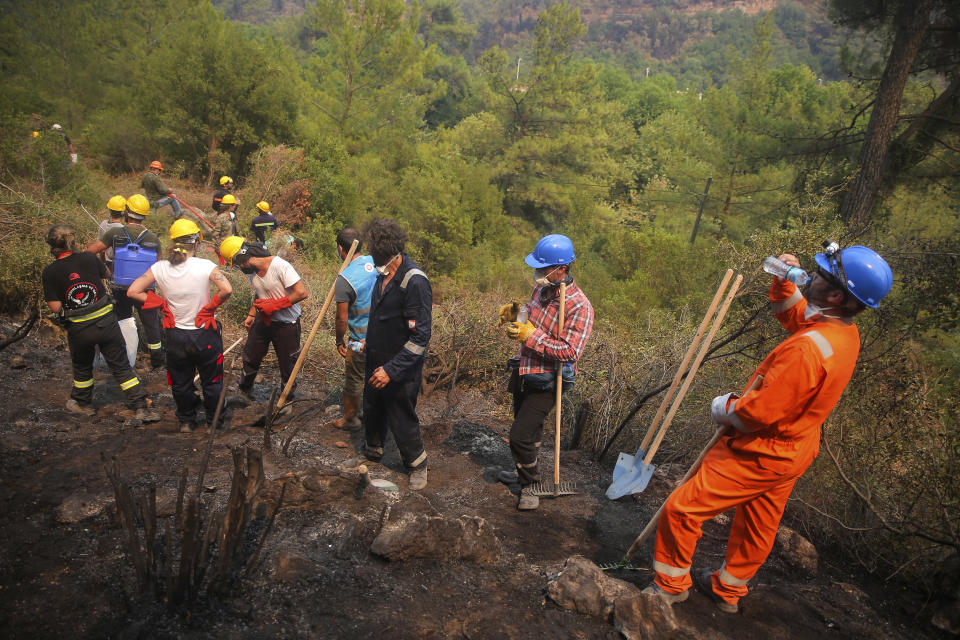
[
  {"x": 530, "y": 409},
  {"x": 285, "y": 338},
  {"x": 393, "y": 408},
  {"x": 188, "y": 353},
  {"x": 149, "y": 318},
  {"x": 83, "y": 338}
]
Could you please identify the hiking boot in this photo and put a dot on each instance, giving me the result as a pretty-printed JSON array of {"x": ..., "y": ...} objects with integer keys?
[
  {"x": 528, "y": 501},
  {"x": 418, "y": 478},
  {"x": 704, "y": 583},
  {"x": 670, "y": 598},
  {"x": 147, "y": 415},
  {"x": 508, "y": 477},
  {"x": 187, "y": 427},
  {"x": 81, "y": 409},
  {"x": 347, "y": 423}
]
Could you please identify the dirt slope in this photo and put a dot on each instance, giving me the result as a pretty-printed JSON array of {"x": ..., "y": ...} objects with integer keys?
[{"x": 317, "y": 577}]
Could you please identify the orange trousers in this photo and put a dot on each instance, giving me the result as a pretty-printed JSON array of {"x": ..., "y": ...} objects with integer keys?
[{"x": 725, "y": 480}]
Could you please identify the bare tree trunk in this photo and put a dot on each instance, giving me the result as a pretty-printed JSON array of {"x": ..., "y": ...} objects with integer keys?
[
  {"x": 912, "y": 23},
  {"x": 211, "y": 158}
]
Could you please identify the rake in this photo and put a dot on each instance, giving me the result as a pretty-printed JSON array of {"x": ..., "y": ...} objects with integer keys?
[{"x": 558, "y": 488}]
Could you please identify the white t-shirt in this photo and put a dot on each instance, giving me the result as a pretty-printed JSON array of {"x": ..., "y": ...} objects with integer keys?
[
  {"x": 278, "y": 283},
  {"x": 186, "y": 288}
]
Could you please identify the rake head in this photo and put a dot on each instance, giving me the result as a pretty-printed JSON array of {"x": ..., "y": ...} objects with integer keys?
[{"x": 543, "y": 490}]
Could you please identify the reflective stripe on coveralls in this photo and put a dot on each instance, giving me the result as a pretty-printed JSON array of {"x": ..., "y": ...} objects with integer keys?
[{"x": 755, "y": 468}]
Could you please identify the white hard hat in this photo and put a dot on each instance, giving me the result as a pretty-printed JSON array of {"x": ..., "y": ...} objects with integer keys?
[{"x": 56, "y": 127}]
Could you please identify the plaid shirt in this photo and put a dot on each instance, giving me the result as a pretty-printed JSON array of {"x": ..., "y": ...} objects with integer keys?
[{"x": 543, "y": 350}]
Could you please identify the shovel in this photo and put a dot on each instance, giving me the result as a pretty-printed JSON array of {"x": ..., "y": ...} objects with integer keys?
[
  {"x": 632, "y": 473},
  {"x": 566, "y": 489},
  {"x": 274, "y": 411},
  {"x": 647, "y": 530}
]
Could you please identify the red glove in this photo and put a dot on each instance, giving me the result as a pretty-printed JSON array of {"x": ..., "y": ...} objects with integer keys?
[
  {"x": 268, "y": 306},
  {"x": 205, "y": 319},
  {"x": 156, "y": 302}
]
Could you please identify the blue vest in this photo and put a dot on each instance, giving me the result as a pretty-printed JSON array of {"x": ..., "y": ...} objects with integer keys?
[{"x": 360, "y": 275}]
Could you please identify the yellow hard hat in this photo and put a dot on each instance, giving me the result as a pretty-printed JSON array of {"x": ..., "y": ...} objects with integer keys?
[
  {"x": 138, "y": 204},
  {"x": 229, "y": 248},
  {"x": 117, "y": 203},
  {"x": 184, "y": 227},
  {"x": 229, "y": 199},
  {"x": 264, "y": 206},
  {"x": 225, "y": 179}
]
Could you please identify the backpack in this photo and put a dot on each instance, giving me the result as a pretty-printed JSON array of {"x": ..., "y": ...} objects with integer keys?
[{"x": 130, "y": 261}]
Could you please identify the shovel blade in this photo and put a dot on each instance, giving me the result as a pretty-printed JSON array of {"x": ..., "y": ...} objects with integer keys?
[{"x": 630, "y": 475}]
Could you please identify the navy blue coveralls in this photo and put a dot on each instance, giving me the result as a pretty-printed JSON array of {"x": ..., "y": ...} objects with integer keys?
[{"x": 397, "y": 337}]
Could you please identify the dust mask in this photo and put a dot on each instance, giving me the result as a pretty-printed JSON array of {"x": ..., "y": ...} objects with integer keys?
[
  {"x": 542, "y": 276},
  {"x": 384, "y": 269}
]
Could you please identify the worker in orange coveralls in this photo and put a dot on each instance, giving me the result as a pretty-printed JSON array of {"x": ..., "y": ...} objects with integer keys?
[{"x": 776, "y": 427}]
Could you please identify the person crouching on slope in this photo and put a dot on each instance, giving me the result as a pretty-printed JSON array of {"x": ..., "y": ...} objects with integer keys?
[
  {"x": 75, "y": 291},
  {"x": 543, "y": 347},
  {"x": 775, "y": 424},
  {"x": 274, "y": 317},
  {"x": 193, "y": 341}
]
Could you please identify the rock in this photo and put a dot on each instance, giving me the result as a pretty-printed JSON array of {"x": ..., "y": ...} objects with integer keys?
[
  {"x": 286, "y": 566},
  {"x": 644, "y": 615},
  {"x": 581, "y": 586},
  {"x": 797, "y": 552},
  {"x": 80, "y": 506},
  {"x": 18, "y": 362},
  {"x": 423, "y": 536},
  {"x": 340, "y": 444}
]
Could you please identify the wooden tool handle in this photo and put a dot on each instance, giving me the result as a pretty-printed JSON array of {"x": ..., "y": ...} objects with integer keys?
[
  {"x": 313, "y": 331},
  {"x": 556, "y": 436},
  {"x": 708, "y": 316}
]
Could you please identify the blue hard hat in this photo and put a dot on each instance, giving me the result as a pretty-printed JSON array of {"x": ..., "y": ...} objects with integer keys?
[
  {"x": 551, "y": 250},
  {"x": 861, "y": 271}
]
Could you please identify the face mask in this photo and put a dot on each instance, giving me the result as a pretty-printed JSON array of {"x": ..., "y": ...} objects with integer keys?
[
  {"x": 542, "y": 276},
  {"x": 385, "y": 269}
]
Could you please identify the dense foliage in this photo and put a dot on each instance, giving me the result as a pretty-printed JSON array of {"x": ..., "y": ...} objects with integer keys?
[{"x": 483, "y": 125}]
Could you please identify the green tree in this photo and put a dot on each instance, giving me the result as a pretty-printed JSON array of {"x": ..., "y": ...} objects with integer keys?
[{"x": 369, "y": 69}]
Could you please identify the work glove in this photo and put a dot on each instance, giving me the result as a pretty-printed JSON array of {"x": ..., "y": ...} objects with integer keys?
[
  {"x": 269, "y": 306},
  {"x": 205, "y": 319},
  {"x": 508, "y": 312},
  {"x": 156, "y": 302},
  {"x": 718, "y": 409},
  {"x": 520, "y": 332}
]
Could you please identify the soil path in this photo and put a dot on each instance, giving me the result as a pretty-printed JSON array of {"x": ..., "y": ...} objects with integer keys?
[{"x": 65, "y": 576}]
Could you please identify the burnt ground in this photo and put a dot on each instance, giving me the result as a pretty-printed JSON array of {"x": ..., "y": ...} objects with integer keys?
[{"x": 316, "y": 576}]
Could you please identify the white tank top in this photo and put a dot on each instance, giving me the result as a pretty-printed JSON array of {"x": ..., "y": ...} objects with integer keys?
[{"x": 186, "y": 288}]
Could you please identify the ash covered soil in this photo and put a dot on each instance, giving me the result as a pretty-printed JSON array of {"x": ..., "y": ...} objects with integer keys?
[{"x": 65, "y": 571}]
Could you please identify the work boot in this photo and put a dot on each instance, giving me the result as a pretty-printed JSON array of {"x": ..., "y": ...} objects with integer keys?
[
  {"x": 351, "y": 410},
  {"x": 508, "y": 477},
  {"x": 147, "y": 415},
  {"x": 670, "y": 598},
  {"x": 418, "y": 478},
  {"x": 247, "y": 392},
  {"x": 187, "y": 427},
  {"x": 528, "y": 501},
  {"x": 81, "y": 409},
  {"x": 702, "y": 579}
]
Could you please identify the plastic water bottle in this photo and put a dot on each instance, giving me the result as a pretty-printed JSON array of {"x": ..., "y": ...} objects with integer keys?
[
  {"x": 523, "y": 315},
  {"x": 777, "y": 267},
  {"x": 355, "y": 345}
]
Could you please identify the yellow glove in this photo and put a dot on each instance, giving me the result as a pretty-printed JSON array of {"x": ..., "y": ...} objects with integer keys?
[
  {"x": 520, "y": 332},
  {"x": 508, "y": 312}
]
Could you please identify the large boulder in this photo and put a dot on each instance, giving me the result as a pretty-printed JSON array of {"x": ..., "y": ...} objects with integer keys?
[
  {"x": 644, "y": 615},
  {"x": 583, "y": 587},
  {"x": 421, "y": 536},
  {"x": 797, "y": 552}
]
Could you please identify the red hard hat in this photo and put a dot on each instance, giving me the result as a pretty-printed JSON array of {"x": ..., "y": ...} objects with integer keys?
[{"x": 156, "y": 165}]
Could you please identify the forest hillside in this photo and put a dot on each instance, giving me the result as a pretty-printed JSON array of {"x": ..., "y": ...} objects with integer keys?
[{"x": 670, "y": 140}]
